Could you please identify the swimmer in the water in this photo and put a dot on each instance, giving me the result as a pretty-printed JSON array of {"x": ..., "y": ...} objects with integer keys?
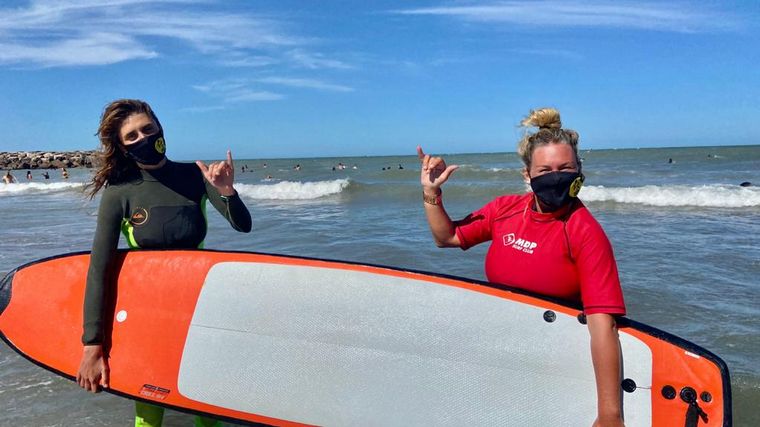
[{"x": 8, "y": 178}]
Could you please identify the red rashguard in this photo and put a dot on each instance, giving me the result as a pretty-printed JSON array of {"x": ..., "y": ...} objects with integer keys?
[{"x": 564, "y": 254}]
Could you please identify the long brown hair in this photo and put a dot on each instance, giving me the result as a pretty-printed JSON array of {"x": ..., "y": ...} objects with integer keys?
[{"x": 114, "y": 166}]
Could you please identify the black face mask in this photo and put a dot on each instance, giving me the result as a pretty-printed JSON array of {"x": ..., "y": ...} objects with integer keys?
[
  {"x": 556, "y": 189},
  {"x": 149, "y": 150}
]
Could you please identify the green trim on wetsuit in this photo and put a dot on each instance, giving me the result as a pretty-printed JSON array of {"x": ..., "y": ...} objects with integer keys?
[
  {"x": 147, "y": 415},
  {"x": 129, "y": 233},
  {"x": 163, "y": 209}
]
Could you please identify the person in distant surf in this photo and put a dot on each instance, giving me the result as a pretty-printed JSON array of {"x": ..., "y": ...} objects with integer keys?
[
  {"x": 29, "y": 175},
  {"x": 8, "y": 178},
  {"x": 544, "y": 241},
  {"x": 45, "y": 175},
  {"x": 157, "y": 204},
  {"x": 65, "y": 174}
]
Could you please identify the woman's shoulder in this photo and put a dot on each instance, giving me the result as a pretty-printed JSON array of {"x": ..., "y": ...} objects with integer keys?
[
  {"x": 119, "y": 187},
  {"x": 582, "y": 219},
  {"x": 117, "y": 192},
  {"x": 186, "y": 169},
  {"x": 505, "y": 204},
  {"x": 122, "y": 179},
  {"x": 510, "y": 201}
]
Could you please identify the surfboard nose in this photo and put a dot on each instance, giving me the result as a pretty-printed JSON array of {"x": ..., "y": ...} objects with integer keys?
[{"x": 5, "y": 291}]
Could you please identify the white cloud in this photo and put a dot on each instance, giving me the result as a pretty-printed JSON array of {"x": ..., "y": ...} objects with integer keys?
[
  {"x": 660, "y": 16},
  {"x": 239, "y": 59},
  {"x": 88, "y": 49},
  {"x": 249, "y": 95},
  {"x": 305, "y": 83},
  {"x": 236, "y": 91},
  {"x": 225, "y": 85},
  {"x": 315, "y": 60},
  {"x": 98, "y": 32}
]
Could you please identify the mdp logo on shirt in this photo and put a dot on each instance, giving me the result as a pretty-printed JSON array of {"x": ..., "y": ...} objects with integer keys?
[
  {"x": 519, "y": 244},
  {"x": 509, "y": 239}
]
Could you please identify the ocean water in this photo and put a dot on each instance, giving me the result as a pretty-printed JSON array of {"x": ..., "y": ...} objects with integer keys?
[{"x": 686, "y": 237}]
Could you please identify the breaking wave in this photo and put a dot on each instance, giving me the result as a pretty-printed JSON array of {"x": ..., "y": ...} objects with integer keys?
[
  {"x": 290, "y": 190},
  {"x": 39, "y": 188},
  {"x": 716, "y": 195}
]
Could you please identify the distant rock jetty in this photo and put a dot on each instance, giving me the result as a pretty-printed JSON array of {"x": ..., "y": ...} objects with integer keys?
[{"x": 47, "y": 159}]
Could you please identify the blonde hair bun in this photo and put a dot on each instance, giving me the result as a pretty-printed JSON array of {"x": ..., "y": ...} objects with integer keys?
[
  {"x": 543, "y": 118},
  {"x": 549, "y": 132}
]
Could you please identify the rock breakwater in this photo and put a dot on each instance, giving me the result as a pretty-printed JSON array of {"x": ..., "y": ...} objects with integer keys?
[{"x": 47, "y": 159}]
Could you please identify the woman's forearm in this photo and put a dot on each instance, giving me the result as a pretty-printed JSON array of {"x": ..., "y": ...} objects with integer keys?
[
  {"x": 441, "y": 225},
  {"x": 605, "y": 354}
]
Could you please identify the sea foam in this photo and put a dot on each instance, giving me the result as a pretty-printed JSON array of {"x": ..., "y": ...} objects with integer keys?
[
  {"x": 715, "y": 195},
  {"x": 39, "y": 188},
  {"x": 290, "y": 190}
]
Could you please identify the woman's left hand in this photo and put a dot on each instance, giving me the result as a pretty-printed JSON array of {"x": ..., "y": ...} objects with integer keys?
[{"x": 220, "y": 174}]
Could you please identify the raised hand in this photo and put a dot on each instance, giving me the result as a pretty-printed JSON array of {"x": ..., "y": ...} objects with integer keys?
[
  {"x": 433, "y": 171},
  {"x": 220, "y": 174}
]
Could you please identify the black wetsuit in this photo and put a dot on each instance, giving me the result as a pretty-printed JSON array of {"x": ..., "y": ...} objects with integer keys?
[{"x": 163, "y": 208}]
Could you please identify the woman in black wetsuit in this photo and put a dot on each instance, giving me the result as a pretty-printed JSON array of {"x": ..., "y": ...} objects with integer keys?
[{"x": 156, "y": 204}]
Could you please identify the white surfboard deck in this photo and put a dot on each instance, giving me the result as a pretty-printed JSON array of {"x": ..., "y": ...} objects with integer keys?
[{"x": 338, "y": 347}]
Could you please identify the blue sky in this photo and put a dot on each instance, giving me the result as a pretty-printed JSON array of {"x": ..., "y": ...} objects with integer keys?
[{"x": 339, "y": 78}]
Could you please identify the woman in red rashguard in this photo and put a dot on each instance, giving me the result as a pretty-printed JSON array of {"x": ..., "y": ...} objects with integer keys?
[{"x": 544, "y": 241}]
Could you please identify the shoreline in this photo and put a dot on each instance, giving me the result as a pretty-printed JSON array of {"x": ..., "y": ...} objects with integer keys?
[{"x": 20, "y": 160}]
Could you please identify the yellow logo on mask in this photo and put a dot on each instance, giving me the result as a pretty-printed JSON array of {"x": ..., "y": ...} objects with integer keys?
[
  {"x": 576, "y": 185},
  {"x": 160, "y": 145}
]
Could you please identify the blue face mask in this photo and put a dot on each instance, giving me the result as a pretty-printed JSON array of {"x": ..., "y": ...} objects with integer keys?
[
  {"x": 557, "y": 189},
  {"x": 149, "y": 150}
]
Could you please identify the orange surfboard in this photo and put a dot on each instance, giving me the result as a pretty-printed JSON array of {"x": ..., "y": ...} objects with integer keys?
[{"x": 285, "y": 341}]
